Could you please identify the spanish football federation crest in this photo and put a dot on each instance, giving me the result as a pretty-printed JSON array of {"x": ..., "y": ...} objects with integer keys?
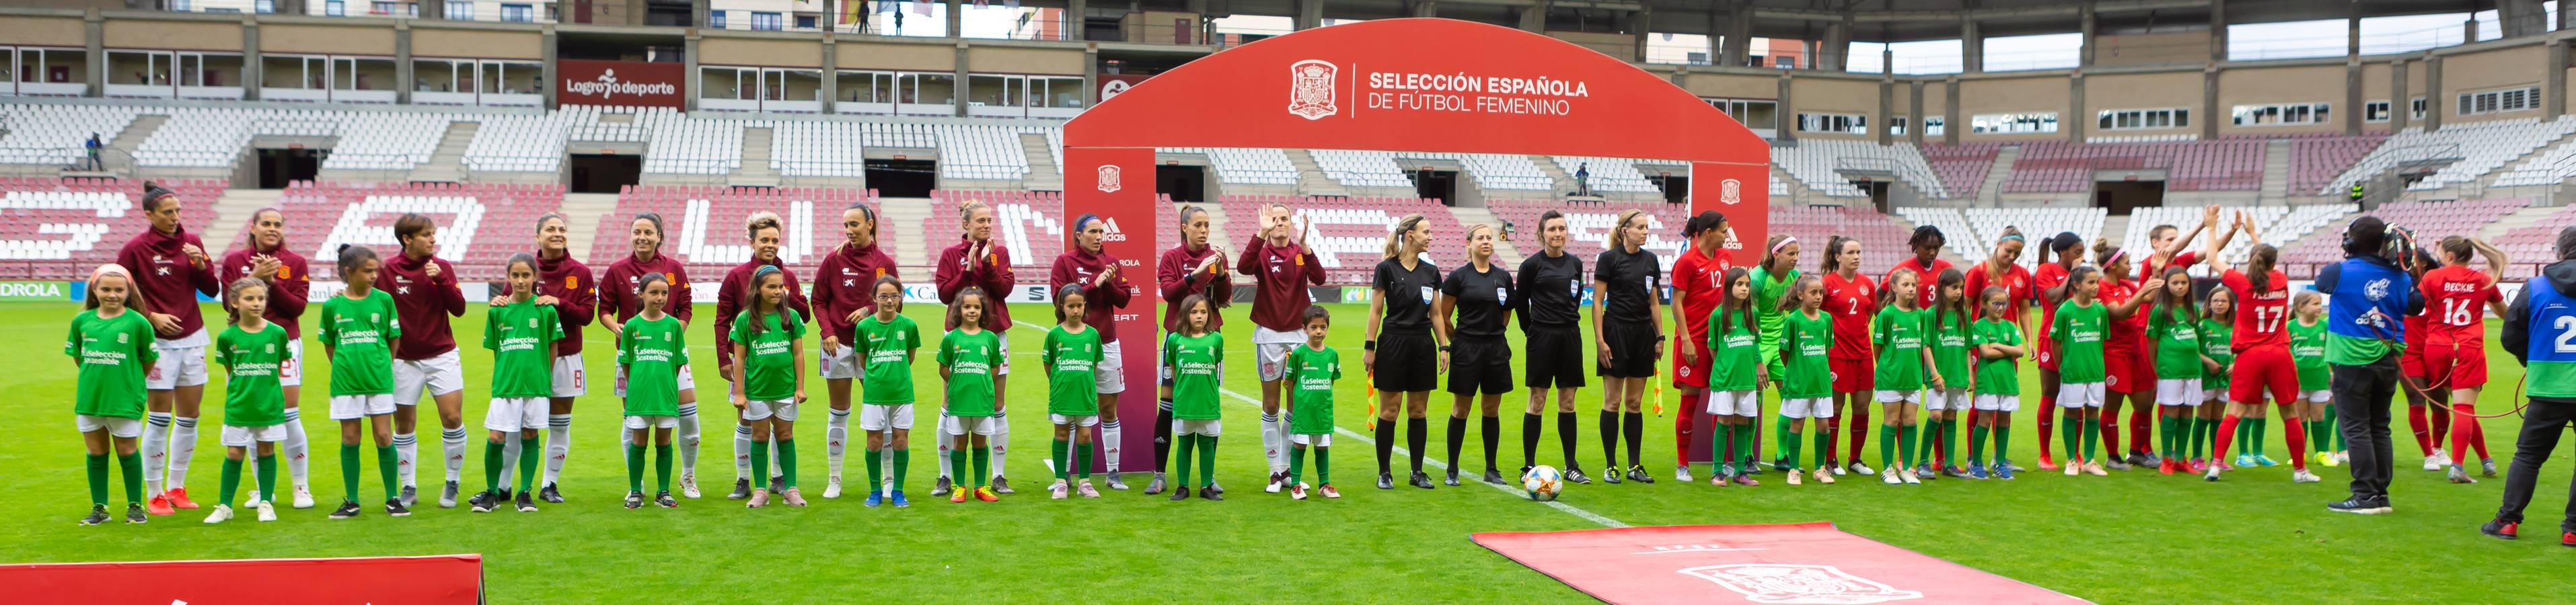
[
  {"x": 1108, "y": 178},
  {"x": 1788, "y": 583},
  {"x": 1310, "y": 89},
  {"x": 1730, "y": 192}
]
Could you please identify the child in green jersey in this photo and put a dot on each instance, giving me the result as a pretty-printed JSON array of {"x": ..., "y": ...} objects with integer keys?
[
  {"x": 1311, "y": 371},
  {"x": 2173, "y": 329},
  {"x": 1070, "y": 357},
  {"x": 2308, "y": 354},
  {"x": 1904, "y": 364},
  {"x": 768, "y": 346},
  {"x": 885, "y": 342},
  {"x": 653, "y": 348},
  {"x": 2079, "y": 327},
  {"x": 251, "y": 350},
  {"x": 1949, "y": 330},
  {"x": 2217, "y": 337},
  {"x": 359, "y": 333},
  {"x": 967, "y": 357},
  {"x": 110, "y": 344},
  {"x": 1805, "y": 381},
  {"x": 1999, "y": 351},
  {"x": 1734, "y": 381},
  {"x": 521, "y": 335},
  {"x": 1196, "y": 357}
]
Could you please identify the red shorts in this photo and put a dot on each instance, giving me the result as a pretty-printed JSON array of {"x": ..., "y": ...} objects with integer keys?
[
  {"x": 1853, "y": 375},
  {"x": 2128, "y": 372},
  {"x": 2047, "y": 352},
  {"x": 1692, "y": 375},
  {"x": 2465, "y": 367},
  {"x": 2410, "y": 362},
  {"x": 2261, "y": 367}
]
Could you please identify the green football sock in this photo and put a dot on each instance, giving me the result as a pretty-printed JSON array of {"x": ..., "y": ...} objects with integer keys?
[
  {"x": 1296, "y": 464},
  {"x": 876, "y": 469},
  {"x": 1977, "y": 445},
  {"x": 231, "y": 481},
  {"x": 1207, "y": 460},
  {"x": 902, "y": 467},
  {"x": 1908, "y": 435},
  {"x": 787, "y": 461},
  {"x": 132, "y": 466},
  {"x": 1181, "y": 446},
  {"x": 2261, "y": 430},
  {"x": 387, "y": 467},
  {"x": 349, "y": 469},
  {"x": 2003, "y": 441},
  {"x": 982, "y": 462},
  {"x": 1824, "y": 446},
  {"x": 2092, "y": 437},
  {"x": 1323, "y": 465},
  {"x": 1783, "y": 434},
  {"x": 1717, "y": 454},
  {"x": 1886, "y": 446},
  {"x": 266, "y": 468},
  {"x": 97, "y": 464},
  {"x": 662, "y": 467},
  {"x": 759, "y": 460},
  {"x": 492, "y": 466},
  {"x": 1746, "y": 434},
  {"x": 1059, "y": 451},
  {"x": 532, "y": 455},
  {"x": 1790, "y": 446},
  {"x": 634, "y": 467},
  {"x": 2067, "y": 432},
  {"x": 1931, "y": 430},
  {"x": 1082, "y": 460},
  {"x": 957, "y": 462},
  {"x": 2245, "y": 433}
]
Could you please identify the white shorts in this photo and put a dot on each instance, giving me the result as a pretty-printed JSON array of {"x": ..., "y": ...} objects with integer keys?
[
  {"x": 2079, "y": 395},
  {"x": 873, "y": 417},
  {"x": 123, "y": 428},
  {"x": 1212, "y": 427},
  {"x": 841, "y": 364},
  {"x": 437, "y": 375},
  {"x": 764, "y": 409},
  {"x": 688, "y": 382},
  {"x": 960, "y": 425},
  {"x": 1735, "y": 403},
  {"x": 1903, "y": 396},
  {"x": 176, "y": 367},
  {"x": 1004, "y": 343},
  {"x": 244, "y": 436},
  {"x": 1940, "y": 400},
  {"x": 637, "y": 423},
  {"x": 1270, "y": 351},
  {"x": 2216, "y": 395},
  {"x": 290, "y": 371},
  {"x": 1110, "y": 375},
  {"x": 1083, "y": 420},
  {"x": 2178, "y": 392},
  {"x": 2318, "y": 396},
  {"x": 353, "y": 407},
  {"x": 1998, "y": 403},
  {"x": 514, "y": 414},
  {"x": 570, "y": 379},
  {"x": 1322, "y": 440},
  {"x": 1811, "y": 407}
]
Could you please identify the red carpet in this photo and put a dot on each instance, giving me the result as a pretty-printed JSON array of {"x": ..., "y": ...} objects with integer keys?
[{"x": 1798, "y": 563}]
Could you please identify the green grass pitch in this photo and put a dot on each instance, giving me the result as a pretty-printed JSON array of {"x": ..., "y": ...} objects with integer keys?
[{"x": 2131, "y": 537}]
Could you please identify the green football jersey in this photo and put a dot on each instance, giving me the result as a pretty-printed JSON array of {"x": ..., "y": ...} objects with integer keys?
[
  {"x": 653, "y": 351},
  {"x": 769, "y": 357},
  {"x": 1311, "y": 373},
  {"x": 360, "y": 333},
  {"x": 1194, "y": 360},
  {"x": 1070, "y": 358},
  {"x": 1768, "y": 315},
  {"x": 1736, "y": 355},
  {"x": 522, "y": 336},
  {"x": 1803, "y": 341},
  {"x": 885, "y": 350},
  {"x": 2177, "y": 344},
  {"x": 1899, "y": 336},
  {"x": 1950, "y": 354},
  {"x": 2308, "y": 354},
  {"x": 252, "y": 395},
  {"x": 2078, "y": 333},
  {"x": 2216, "y": 336},
  {"x": 970, "y": 359},
  {"x": 113, "y": 354},
  {"x": 1998, "y": 376}
]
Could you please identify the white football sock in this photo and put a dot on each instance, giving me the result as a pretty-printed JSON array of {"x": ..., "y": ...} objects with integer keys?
[
  {"x": 834, "y": 435},
  {"x": 183, "y": 447},
  {"x": 688, "y": 437},
  {"x": 1000, "y": 441},
  {"x": 509, "y": 462},
  {"x": 407, "y": 457},
  {"x": 295, "y": 447},
  {"x": 1272, "y": 442},
  {"x": 453, "y": 442},
  {"x": 742, "y": 452},
  {"x": 1109, "y": 446},
  {"x": 940, "y": 434},
  {"x": 558, "y": 445},
  {"x": 155, "y": 449}
]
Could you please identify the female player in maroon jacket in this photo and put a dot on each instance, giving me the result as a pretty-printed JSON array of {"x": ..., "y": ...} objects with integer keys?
[
  {"x": 268, "y": 260},
  {"x": 1105, "y": 290},
  {"x": 568, "y": 286},
  {"x": 764, "y": 232},
  {"x": 844, "y": 292},
  {"x": 425, "y": 294},
  {"x": 1194, "y": 267},
  {"x": 170, "y": 269},
  {"x": 978, "y": 261},
  {"x": 620, "y": 300},
  {"x": 1277, "y": 259}
]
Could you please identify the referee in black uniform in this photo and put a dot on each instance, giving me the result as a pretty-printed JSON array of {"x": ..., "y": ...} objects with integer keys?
[
  {"x": 1548, "y": 296},
  {"x": 1628, "y": 326},
  {"x": 1400, "y": 296},
  {"x": 1480, "y": 362}
]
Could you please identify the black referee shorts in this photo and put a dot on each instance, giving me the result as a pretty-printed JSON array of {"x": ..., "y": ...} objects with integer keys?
[
  {"x": 1407, "y": 363},
  {"x": 1556, "y": 357},
  {"x": 1632, "y": 350},
  {"x": 1480, "y": 366}
]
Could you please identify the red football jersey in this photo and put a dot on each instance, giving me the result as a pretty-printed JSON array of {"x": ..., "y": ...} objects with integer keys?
[
  {"x": 1853, "y": 302},
  {"x": 2015, "y": 282},
  {"x": 2123, "y": 334},
  {"x": 1925, "y": 278},
  {"x": 2260, "y": 317},
  {"x": 1698, "y": 284},
  {"x": 2457, "y": 298},
  {"x": 2050, "y": 275}
]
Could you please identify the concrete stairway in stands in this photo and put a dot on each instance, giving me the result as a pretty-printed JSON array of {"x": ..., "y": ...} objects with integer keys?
[
  {"x": 447, "y": 163},
  {"x": 1044, "y": 175},
  {"x": 1991, "y": 193},
  {"x": 2276, "y": 174},
  {"x": 1217, "y": 235},
  {"x": 907, "y": 214},
  {"x": 585, "y": 209},
  {"x": 755, "y": 170},
  {"x": 1504, "y": 254},
  {"x": 1555, "y": 174},
  {"x": 1310, "y": 176},
  {"x": 232, "y": 214}
]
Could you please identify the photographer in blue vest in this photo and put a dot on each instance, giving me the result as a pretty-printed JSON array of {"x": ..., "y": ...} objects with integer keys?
[
  {"x": 2546, "y": 302},
  {"x": 2367, "y": 292}
]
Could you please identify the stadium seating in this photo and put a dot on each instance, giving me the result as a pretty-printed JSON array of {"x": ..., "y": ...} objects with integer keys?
[
  {"x": 61, "y": 228},
  {"x": 1240, "y": 166},
  {"x": 703, "y": 226},
  {"x": 2063, "y": 167},
  {"x": 1348, "y": 235},
  {"x": 54, "y": 134},
  {"x": 1973, "y": 231},
  {"x": 1961, "y": 168},
  {"x": 1882, "y": 241},
  {"x": 1814, "y": 162},
  {"x": 1588, "y": 225},
  {"x": 2534, "y": 245},
  {"x": 2430, "y": 219},
  {"x": 480, "y": 225},
  {"x": 1610, "y": 175},
  {"x": 1031, "y": 224},
  {"x": 204, "y": 137},
  {"x": 2480, "y": 148},
  {"x": 1362, "y": 168},
  {"x": 817, "y": 148},
  {"x": 2315, "y": 160}
]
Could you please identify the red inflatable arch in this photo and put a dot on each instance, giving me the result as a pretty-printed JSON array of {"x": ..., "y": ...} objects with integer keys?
[{"x": 1430, "y": 85}]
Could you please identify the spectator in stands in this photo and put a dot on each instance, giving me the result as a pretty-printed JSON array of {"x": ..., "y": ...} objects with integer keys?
[
  {"x": 1278, "y": 259},
  {"x": 92, "y": 147},
  {"x": 2546, "y": 301},
  {"x": 1105, "y": 290},
  {"x": 1481, "y": 295},
  {"x": 426, "y": 294},
  {"x": 763, "y": 229},
  {"x": 2361, "y": 325},
  {"x": 170, "y": 270},
  {"x": 844, "y": 293},
  {"x": 1194, "y": 267},
  {"x": 1628, "y": 332},
  {"x": 569, "y": 287},
  {"x": 1771, "y": 281},
  {"x": 978, "y": 261},
  {"x": 2050, "y": 286},
  {"x": 1400, "y": 297},
  {"x": 1555, "y": 350},
  {"x": 1853, "y": 301},
  {"x": 1926, "y": 264},
  {"x": 620, "y": 300},
  {"x": 1697, "y": 289},
  {"x": 1583, "y": 178},
  {"x": 267, "y": 259}
]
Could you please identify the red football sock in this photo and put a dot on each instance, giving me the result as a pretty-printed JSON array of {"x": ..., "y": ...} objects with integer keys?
[
  {"x": 2226, "y": 431},
  {"x": 2465, "y": 429},
  {"x": 2141, "y": 422},
  {"x": 1682, "y": 429},
  {"x": 2441, "y": 421},
  {"x": 2110, "y": 424},
  {"x": 1860, "y": 428},
  {"x": 2297, "y": 432},
  {"x": 2415, "y": 420},
  {"x": 2047, "y": 420}
]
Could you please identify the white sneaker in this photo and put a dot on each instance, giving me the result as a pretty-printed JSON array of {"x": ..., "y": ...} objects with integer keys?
[
  {"x": 1057, "y": 491},
  {"x": 1909, "y": 478},
  {"x": 1859, "y": 469},
  {"x": 689, "y": 486},
  {"x": 832, "y": 488},
  {"x": 2303, "y": 476},
  {"x": 303, "y": 498},
  {"x": 1276, "y": 479},
  {"x": 1682, "y": 474},
  {"x": 267, "y": 512},
  {"x": 1838, "y": 469},
  {"x": 2438, "y": 461},
  {"x": 254, "y": 499},
  {"x": 2074, "y": 468},
  {"x": 222, "y": 513},
  {"x": 1889, "y": 477}
]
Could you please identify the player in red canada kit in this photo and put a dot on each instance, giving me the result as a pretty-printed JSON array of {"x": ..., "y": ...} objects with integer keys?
[
  {"x": 2001, "y": 269},
  {"x": 2429, "y": 425},
  {"x": 2125, "y": 373},
  {"x": 2455, "y": 353},
  {"x": 1696, "y": 273},
  {"x": 2262, "y": 346},
  {"x": 1852, "y": 300},
  {"x": 2051, "y": 284}
]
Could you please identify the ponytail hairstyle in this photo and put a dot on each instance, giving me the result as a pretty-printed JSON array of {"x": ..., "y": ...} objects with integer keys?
[
  {"x": 1991, "y": 292},
  {"x": 2175, "y": 308},
  {"x": 1471, "y": 238},
  {"x": 354, "y": 257},
  {"x": 1067, "y": 292},
  {"x": 1395, "y": 237},
  {"x": 153, "y": 194},
  {"x": 1619, "y": 230},
  {"x": 966, "y": 210},
  {"x": 1789, "y": 299},
  {"x": 531, "y": 260},
  {"x": 2258, "y": 266},
  {"x": 1705, "y": 221},
  {"x": 1193, "y": 302},
  {"x": 1833, "y": 254},
  {"x": 753, "y": 304},
  {"x": 2076, "y": 277},
  {"x": 1186, "y": 212},
  {"x": 866, "y": 212},
  {"x": 550, "y": 216},
  {"x": 133, "y": 299},
  {"x": 1543, "y": 218},
  {"x": 955, "y": 309},
  {"x": 888, "y": 280},
  {"x": 2301, "y": 299},
  {"x": 650, "y": 217},
  {"x": 1943, "y": 304},
  {"x": 1771, "y": 255},
  {"x": 232, "y": 292},
  {"x": 1995, "y": 270},
  {"x": 2462, "y": 247},
  {"x": 1731, "y": 309},
  {"x": 2104, "y": 252}
]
